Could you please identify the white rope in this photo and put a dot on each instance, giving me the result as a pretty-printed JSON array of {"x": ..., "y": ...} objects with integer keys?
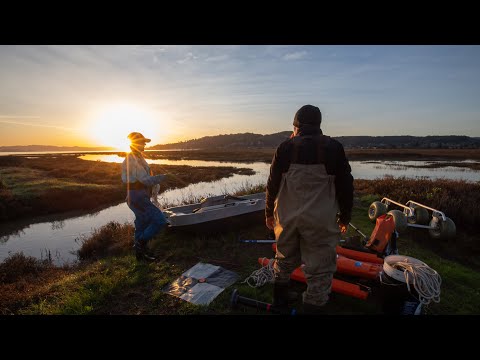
[
  {"x": 261, "y": 276},
  {"x": 426, "y": 281}
]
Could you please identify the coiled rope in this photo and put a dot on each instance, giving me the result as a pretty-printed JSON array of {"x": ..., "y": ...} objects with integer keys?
[
  {"x": 426, "y": 280},
  {"x": 261, "y": 276}
]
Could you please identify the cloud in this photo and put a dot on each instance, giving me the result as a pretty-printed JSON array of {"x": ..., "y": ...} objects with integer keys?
[
  {"x": 188, "y": 57},
  {"x": 30, "y": 124},
  {"x": 149, "y": 48},
  {"x": 217, "y": 58},
  {"x": 297, "y": 55},
  {"x": 19, "y": 117}
]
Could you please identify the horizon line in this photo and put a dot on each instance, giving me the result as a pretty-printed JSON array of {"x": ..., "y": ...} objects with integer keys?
[{"x": 115, "y": 148}]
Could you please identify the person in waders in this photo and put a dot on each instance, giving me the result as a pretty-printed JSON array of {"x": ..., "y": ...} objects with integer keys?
[
  {"x": 309, "y": 201},
  {"x": 149, "y": 220}
]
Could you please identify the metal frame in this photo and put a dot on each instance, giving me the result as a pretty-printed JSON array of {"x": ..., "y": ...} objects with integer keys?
[{"x": 410, "y": 212}]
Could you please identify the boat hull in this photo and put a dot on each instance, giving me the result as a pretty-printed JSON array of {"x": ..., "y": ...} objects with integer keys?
[{"x": 218, "y": 213}]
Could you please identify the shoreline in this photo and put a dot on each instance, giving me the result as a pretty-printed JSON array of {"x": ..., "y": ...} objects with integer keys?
[{"x": 266, "y": 154}]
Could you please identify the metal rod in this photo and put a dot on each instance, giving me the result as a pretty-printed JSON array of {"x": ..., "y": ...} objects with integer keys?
[
  {"x": 258, "y": 241},
  {"x": 357, "y": 230}
]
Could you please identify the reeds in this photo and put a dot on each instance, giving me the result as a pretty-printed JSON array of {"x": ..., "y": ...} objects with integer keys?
[
  {"x": 18, "y": 265},
  {"x": 111, "y": 239}
]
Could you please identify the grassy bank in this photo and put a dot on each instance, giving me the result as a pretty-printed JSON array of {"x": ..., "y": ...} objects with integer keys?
[
  {"x": 56, "y": 184},
  {"x": 109, "y": 280}
]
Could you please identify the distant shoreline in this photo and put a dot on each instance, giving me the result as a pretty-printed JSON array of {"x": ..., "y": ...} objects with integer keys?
[{"x": 266, "y": 154}]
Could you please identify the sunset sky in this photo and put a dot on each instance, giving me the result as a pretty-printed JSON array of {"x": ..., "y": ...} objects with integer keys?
[{"x": 96, "y": 95}]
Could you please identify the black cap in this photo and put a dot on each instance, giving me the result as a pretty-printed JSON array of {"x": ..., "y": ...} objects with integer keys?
[{"x": 307, "y": 114}]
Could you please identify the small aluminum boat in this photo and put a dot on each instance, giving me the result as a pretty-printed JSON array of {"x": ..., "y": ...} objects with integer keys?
[{"x": 217, "y": 210}]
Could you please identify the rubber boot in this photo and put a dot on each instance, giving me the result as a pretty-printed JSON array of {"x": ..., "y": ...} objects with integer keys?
[{"x": 142, "y": 253}]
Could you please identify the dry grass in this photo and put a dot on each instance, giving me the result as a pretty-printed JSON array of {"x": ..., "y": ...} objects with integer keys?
[
  {"x": 25, "y": 279},
  {"x": 18, "y": 265},
  {"x": 110, "y": 240}
]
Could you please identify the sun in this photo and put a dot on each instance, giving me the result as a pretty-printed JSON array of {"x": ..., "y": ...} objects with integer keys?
[{"x": 111, "y": 126}]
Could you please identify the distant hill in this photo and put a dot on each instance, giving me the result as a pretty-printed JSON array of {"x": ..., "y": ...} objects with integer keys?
[
  {"x": 410, "y": 142},
  {"x": 245, "y": 140},
  {"x": 42, "y": 148},
  {"x": 250, "y": 140}
]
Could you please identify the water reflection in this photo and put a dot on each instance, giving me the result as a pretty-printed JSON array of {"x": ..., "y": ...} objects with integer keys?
[
  {"x": 40, "y": 239},
  {"x": 118, "y": 159},
  {"x": 5, "y": 238},
  {"x": 56, "y": 225},
  {"x": 413, "y": 169}
]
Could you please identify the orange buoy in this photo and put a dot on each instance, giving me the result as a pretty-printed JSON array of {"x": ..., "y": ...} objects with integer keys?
[
  {"x": 352, "y": 254},
  {"x": 338, "y": 286},
  {"x": 359, "y": 268},
  {"x": 359, "y": 255}
]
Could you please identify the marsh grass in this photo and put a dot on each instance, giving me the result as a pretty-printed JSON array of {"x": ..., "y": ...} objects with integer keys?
[
  {"x": 18, "y": 265},
  {"x": 58, "y": 184},
  {"x": 111, "y": 239}
]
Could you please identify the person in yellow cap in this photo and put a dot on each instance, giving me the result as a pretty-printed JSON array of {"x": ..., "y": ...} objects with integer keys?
[{"x": 149, "y": 220}]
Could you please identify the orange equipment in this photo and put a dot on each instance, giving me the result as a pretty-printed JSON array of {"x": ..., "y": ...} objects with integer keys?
[
  {"x": 338, "y": 286},
  {"x": 382, "y": 233},
  {"x": 353, "y": 267},
  {"x": 352, "y": 254},
  {"x": 359, "y": 255}
]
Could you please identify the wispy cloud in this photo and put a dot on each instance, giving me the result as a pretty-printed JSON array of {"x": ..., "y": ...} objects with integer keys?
[
  {"x": 297, "y": 55},
  {"x": 188, "y": 57},
  {"x": 19, "y": 117},
  {"x": 217, "y": 58},
  {"x": 37, "y": 125}
]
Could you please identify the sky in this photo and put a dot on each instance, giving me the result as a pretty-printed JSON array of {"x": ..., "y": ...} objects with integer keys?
[{"x": 80, "y": 95}]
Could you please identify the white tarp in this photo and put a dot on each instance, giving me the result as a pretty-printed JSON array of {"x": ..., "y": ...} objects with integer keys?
[{"x": 201, "y": 284}]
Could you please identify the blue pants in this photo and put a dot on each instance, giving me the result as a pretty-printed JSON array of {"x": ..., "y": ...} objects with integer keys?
[{"x": 149, "y": 219}]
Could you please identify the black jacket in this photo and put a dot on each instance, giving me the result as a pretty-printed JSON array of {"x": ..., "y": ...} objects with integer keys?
[{"x": 310, "y": 146}]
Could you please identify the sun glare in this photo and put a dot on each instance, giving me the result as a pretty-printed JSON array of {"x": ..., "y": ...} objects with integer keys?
[{"x": 112, "y": 126}]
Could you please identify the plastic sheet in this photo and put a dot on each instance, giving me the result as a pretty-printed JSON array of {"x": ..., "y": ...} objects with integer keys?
[{"x": 201, "y": 284}]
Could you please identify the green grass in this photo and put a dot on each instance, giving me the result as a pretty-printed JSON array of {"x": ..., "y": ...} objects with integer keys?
[
  {"x": 460, "y": 289},
  {"x": 28, "y": 183},
  {"x": 90, "y": 288}
]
